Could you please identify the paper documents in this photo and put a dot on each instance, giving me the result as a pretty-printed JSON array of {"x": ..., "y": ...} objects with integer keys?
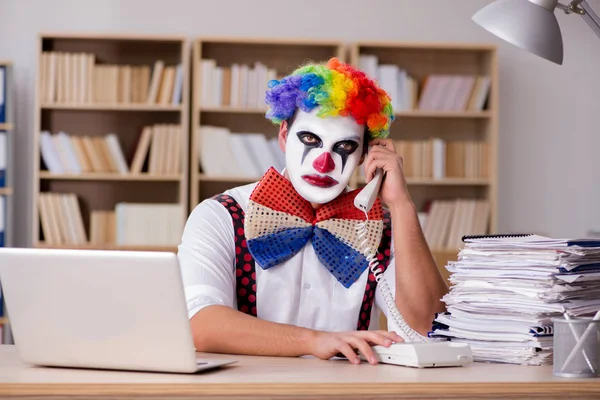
[{"x": 505, "y": 291}]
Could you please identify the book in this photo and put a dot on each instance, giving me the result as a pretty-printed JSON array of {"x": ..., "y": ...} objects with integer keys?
[
  {"x": 2, "y": 221},
  {"x": 61, "y": 218},
  {"x": 3, "y": 100},
  {"x": 235, "y": 85},
  {"x": 3, "y": 157}
]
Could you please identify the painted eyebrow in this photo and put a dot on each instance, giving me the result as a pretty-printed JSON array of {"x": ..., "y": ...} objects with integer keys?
[
  {"x": 306, "y": 130},
  {"x": 350, "y": 138}
]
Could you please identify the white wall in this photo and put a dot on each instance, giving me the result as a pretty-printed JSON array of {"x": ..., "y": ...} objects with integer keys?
[{"x": 548, "y": 113}]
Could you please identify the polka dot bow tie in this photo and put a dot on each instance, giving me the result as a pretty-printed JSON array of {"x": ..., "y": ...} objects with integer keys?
[{"x": 279, "y": 223}]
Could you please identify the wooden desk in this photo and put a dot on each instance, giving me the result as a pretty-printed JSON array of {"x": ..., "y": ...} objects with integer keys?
[{"x": 268, "y": 378}]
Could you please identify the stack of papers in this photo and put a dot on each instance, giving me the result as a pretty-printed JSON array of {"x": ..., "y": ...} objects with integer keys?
[{"x": 506, "y": 290}]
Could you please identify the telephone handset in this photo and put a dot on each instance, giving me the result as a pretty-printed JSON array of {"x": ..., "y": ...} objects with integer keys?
[{"x": 364, "y": 201}]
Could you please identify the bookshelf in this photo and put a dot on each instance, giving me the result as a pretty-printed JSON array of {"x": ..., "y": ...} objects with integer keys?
[
  {"x": 239, "y": 108},
  {"x": 7, "y": 132},
  {"x": 446, "y": 129},
  {"x": 111, "y": 141}
]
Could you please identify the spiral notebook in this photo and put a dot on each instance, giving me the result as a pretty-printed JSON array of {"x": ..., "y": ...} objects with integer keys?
[{"x": 531, "y": 239}]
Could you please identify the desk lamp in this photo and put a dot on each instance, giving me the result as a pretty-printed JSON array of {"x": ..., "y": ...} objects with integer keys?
[{"x": 532, "y": 25}]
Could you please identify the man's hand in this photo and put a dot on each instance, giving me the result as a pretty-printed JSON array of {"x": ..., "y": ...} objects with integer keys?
[
  {"x": 328, "y": 344},
  {"x": 383, "y": 155}
]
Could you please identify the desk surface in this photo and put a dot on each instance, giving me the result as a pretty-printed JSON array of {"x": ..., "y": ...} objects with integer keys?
[{"x": 266, "y": 377}]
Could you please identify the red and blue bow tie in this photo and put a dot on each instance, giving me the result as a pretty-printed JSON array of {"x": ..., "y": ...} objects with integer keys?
[{"x": 279, "y": 223}]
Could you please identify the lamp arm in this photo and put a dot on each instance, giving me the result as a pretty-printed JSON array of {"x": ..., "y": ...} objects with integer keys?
[{"x": 581, "y": 7}]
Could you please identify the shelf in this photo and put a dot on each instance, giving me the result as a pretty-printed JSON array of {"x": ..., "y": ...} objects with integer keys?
[
  {"x": 3, "y": 320},
  {"x": 112, "y": 107},
  {"x": 6, "y": 127},
  {"x": 106, "y": 246},
  {"x": 6, "y": 191},
  {"x": 103, "y": 36},
  {"x": 443, "y": 182},
  {"x": 443, "y": 114},
  {"x": 234, "y": 110},
  {"x": 452, "y": 46},
  {"x": 410, "y": 181},
  {"x": 405, "y": 114},
  {"x": 223, "y": 178},
  {"x": 109, "y": 177}
]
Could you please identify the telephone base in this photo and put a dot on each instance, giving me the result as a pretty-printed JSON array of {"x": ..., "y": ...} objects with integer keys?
[{"x": 425, "y": 355}]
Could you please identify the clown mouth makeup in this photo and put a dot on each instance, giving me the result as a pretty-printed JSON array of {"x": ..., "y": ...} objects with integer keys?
[{"x": 320, "y": 181}]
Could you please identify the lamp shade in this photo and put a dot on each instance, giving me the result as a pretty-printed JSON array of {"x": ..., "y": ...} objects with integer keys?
[{"x": 528, "y": 24}]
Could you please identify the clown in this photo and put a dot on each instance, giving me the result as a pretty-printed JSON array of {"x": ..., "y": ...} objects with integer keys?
[{"x": 276, "y": 268}]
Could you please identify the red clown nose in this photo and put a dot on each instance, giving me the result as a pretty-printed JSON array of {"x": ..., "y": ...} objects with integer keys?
[{"x": 324, "y": 163}]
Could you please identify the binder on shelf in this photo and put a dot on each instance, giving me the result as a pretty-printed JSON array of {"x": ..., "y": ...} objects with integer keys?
[
  {"x": 3, "y": 90},
  {"x": 3, "y": 157},
  {"x": 2, "y": 221}
]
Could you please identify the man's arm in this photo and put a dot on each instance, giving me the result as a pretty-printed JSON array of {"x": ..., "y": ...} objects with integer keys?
[
  {"x": 419, "y": 283},
  {"x": 206, "y": 256},
  {"x": 220, "y": 329}
]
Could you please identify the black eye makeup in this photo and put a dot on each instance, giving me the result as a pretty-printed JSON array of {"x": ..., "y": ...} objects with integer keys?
[
  {"x": 344, "y": 149},
  {"x": 309, "y": 138},
  {"x": 310, "y": 141}
]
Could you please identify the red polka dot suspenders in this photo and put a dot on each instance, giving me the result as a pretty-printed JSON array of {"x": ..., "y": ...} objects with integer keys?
[{"x": 245, "y": 265}]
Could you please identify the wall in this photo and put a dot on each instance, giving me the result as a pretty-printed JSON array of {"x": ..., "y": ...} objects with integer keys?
[{"x": 548, "y": 113}]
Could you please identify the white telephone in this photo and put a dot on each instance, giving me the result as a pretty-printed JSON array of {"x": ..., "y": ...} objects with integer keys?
[{"x": 416, "y": 350}]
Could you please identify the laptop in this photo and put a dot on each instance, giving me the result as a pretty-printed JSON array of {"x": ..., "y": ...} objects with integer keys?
[{"x": 119, "y": 310}]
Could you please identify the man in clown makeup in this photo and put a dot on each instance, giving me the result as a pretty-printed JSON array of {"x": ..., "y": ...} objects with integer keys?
[{"x": 276, "y": 268}]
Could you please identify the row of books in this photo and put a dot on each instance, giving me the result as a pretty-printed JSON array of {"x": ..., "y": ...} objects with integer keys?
[
  {"x": 159, "y": 150},
  {"x": 61, "y": 219},
  {"x": 438, "y": 92},
  {"x": 225, "y": 153},
  {"x": 436, "y": 158},
  {"x": 447, "y": 221},
  {"x": 454, "y": 93},
  {"x": 237, "y": 85},
  {"x": 506, "y": 289},
  {"x": 129, "y": 224},
  {"x": 66, "y": 154},
  {"x": 159, "y": 147},
  {"x": 75, "y": 78},
  {"x": 137, "y": 224},
  {"x": 157, "y": 224},
  {"x": 398, "y": 83}
]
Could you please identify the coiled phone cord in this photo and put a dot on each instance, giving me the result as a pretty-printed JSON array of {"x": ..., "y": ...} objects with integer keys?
[{"x": 407, "y": 333}]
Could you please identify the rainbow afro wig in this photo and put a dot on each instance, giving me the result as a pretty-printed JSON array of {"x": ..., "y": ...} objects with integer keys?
[{"x": 338, "y": 89}]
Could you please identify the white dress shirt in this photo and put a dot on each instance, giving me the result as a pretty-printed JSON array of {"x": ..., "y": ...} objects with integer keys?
[{"x": 300, "y": 291}]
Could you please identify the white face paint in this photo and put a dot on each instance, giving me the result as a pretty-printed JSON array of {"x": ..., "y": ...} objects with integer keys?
[{"x": 321, "y": 154}]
